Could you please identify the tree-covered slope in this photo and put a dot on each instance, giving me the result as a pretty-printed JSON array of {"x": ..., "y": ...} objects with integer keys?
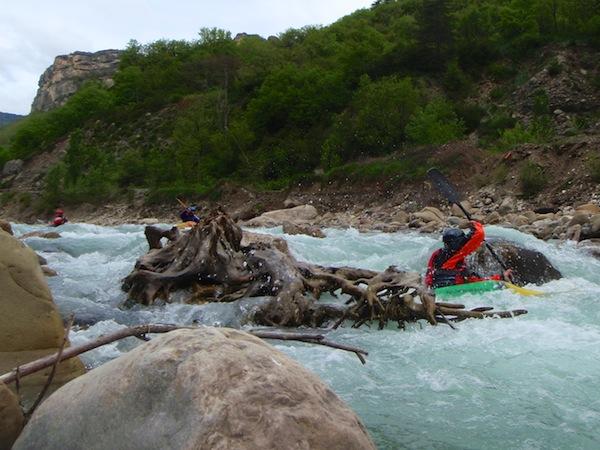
[{"x": 401, "y": 75}]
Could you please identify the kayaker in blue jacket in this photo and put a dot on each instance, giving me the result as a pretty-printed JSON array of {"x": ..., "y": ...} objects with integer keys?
[{"x": 189, "y": 214}]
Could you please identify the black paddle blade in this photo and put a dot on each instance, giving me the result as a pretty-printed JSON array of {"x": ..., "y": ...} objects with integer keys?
[{"x": 443, "y": 185}]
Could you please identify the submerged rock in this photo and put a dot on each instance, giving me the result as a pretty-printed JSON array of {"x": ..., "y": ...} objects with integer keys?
[
  {"x": 529, "y": 266},
  {"x": 204, "y": 388},
  {"x": 41, "y": 234},
  {"x": 298, "y": 214},
  {"x": 309, "y": 230}
]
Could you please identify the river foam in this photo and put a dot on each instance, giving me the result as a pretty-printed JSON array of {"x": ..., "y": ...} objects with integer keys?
[{"x": 526, "y": 383}]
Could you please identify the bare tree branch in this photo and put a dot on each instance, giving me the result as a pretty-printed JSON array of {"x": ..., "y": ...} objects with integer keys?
[{"x": 142, "y": 330}]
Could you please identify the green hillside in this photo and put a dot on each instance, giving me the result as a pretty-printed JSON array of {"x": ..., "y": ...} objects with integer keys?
[{"x": 396, "y": 78}]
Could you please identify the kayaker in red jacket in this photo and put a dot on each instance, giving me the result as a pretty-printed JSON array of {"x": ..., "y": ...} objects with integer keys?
[
  {"x": 59, "y": 218},
  {"x": 447, "y": 265}
]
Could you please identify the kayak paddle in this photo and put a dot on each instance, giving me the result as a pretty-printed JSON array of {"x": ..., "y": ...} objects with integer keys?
[
  {"x": 523, "y": 291},
  {"x": 448, "y": 191}
]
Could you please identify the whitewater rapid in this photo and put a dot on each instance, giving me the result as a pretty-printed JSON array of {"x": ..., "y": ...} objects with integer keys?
[{"x": 532, "y": 382}]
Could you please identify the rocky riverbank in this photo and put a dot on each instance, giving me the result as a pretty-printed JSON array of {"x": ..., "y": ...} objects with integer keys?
[{"x": 309, "y": 214}]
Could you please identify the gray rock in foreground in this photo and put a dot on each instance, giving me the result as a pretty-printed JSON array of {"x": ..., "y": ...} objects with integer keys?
[{"x": 211, "y": 388}]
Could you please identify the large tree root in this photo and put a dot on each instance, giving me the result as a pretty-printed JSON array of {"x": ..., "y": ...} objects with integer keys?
[{"x": 212, "y": 264}]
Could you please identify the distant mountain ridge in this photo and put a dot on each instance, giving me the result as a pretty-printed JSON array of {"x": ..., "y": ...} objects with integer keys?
[{"x": 6, "y": 118}]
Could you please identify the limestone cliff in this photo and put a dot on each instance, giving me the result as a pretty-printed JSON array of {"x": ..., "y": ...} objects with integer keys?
[{"x": 63, "y": 78}]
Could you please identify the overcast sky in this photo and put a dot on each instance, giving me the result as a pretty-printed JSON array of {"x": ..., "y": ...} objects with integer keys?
[{"x": 33, "y": 32}]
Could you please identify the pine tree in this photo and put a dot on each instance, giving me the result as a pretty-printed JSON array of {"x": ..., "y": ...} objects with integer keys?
[{"x": 434, "y": 35}]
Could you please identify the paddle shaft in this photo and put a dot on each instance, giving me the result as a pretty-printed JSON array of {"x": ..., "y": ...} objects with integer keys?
[{"x": 181, "y": 203}]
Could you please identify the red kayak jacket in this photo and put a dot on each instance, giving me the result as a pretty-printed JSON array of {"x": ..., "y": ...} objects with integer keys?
[{"x": 445, "y": 268}]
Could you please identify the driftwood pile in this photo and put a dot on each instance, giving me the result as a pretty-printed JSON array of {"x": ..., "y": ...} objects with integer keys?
[{"x": 211, "y": 263}]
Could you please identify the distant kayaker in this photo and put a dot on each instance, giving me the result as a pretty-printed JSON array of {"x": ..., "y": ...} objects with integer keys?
[
  {"x": 447, "y": 265},
  {"x": 59, "y": 218},
  {"x": 189, "y": 214}
]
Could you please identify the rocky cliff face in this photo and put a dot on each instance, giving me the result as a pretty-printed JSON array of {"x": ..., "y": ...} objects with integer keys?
[{"x": 63, "y": 78}]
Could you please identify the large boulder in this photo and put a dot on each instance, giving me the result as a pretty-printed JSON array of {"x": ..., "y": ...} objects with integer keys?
[
  {"x": 30, "y": 325},
  {"x": 430, "y": 214},
  {"x": 299, "y": 214},
  {"x": 529, "y": 266},
  {"x": 309, "y": 230},
  {"x": 208, "y": 388},
  {"x": 11, "y": 418}
]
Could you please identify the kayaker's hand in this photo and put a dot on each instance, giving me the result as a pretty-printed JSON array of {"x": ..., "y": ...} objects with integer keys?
[{"x": 508, "y": 275}]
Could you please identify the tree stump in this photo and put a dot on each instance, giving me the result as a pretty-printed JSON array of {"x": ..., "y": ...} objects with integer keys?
[{"x": 211, "y": 263}]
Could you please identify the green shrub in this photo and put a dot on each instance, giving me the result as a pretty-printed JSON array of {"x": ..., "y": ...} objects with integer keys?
[
  {"x": 470, "y": 114},
  {"x": 6, "y": 197},
  {"x": 456, "y": 82},
  {"x": 594, "y": 168},
  {"x": 532, "y": 179},
  {"x": 5, "y": 155},
  {"x": 498, "y": 93},
  {"x": 501, "y": 71},
  {"x": 521, "y": 78},
  {"x": 580, "y": 122},
  {"x": 37, "y": 131},
  {"x": 25, "y": 199},
  {"x": 592, "y": 29},
  {"x": 492, "y": 127},
  {"x": 52, "y": 195},
  {"x": 541, "y": 103},
  {"x": 500, "y": 173},
  {"x": 554, "y": 68},
  {"x": 513, "y": 137},
  {"x": 435, "y": 124},
  {"x": 542, "y": 128}
]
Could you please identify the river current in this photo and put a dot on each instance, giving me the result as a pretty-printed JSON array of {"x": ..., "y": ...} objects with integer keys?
[{"x": 532, "y": 382}]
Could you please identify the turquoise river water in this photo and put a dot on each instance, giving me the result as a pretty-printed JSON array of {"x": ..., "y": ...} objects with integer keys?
[{"x": 532, "y": 382}]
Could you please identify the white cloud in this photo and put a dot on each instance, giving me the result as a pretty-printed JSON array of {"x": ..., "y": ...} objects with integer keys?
[{"x": 34, "y": 32}]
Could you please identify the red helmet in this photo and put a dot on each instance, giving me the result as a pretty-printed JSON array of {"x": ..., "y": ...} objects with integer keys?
[{"x": 59, "y": 212}]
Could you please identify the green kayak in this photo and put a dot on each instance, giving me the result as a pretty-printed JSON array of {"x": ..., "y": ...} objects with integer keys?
[
  {"x": 476, "y": 287},
  {"x": 479, "y": 287}
]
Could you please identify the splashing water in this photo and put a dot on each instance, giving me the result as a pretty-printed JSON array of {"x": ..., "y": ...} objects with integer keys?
[{"x": 526, "y": 383}]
